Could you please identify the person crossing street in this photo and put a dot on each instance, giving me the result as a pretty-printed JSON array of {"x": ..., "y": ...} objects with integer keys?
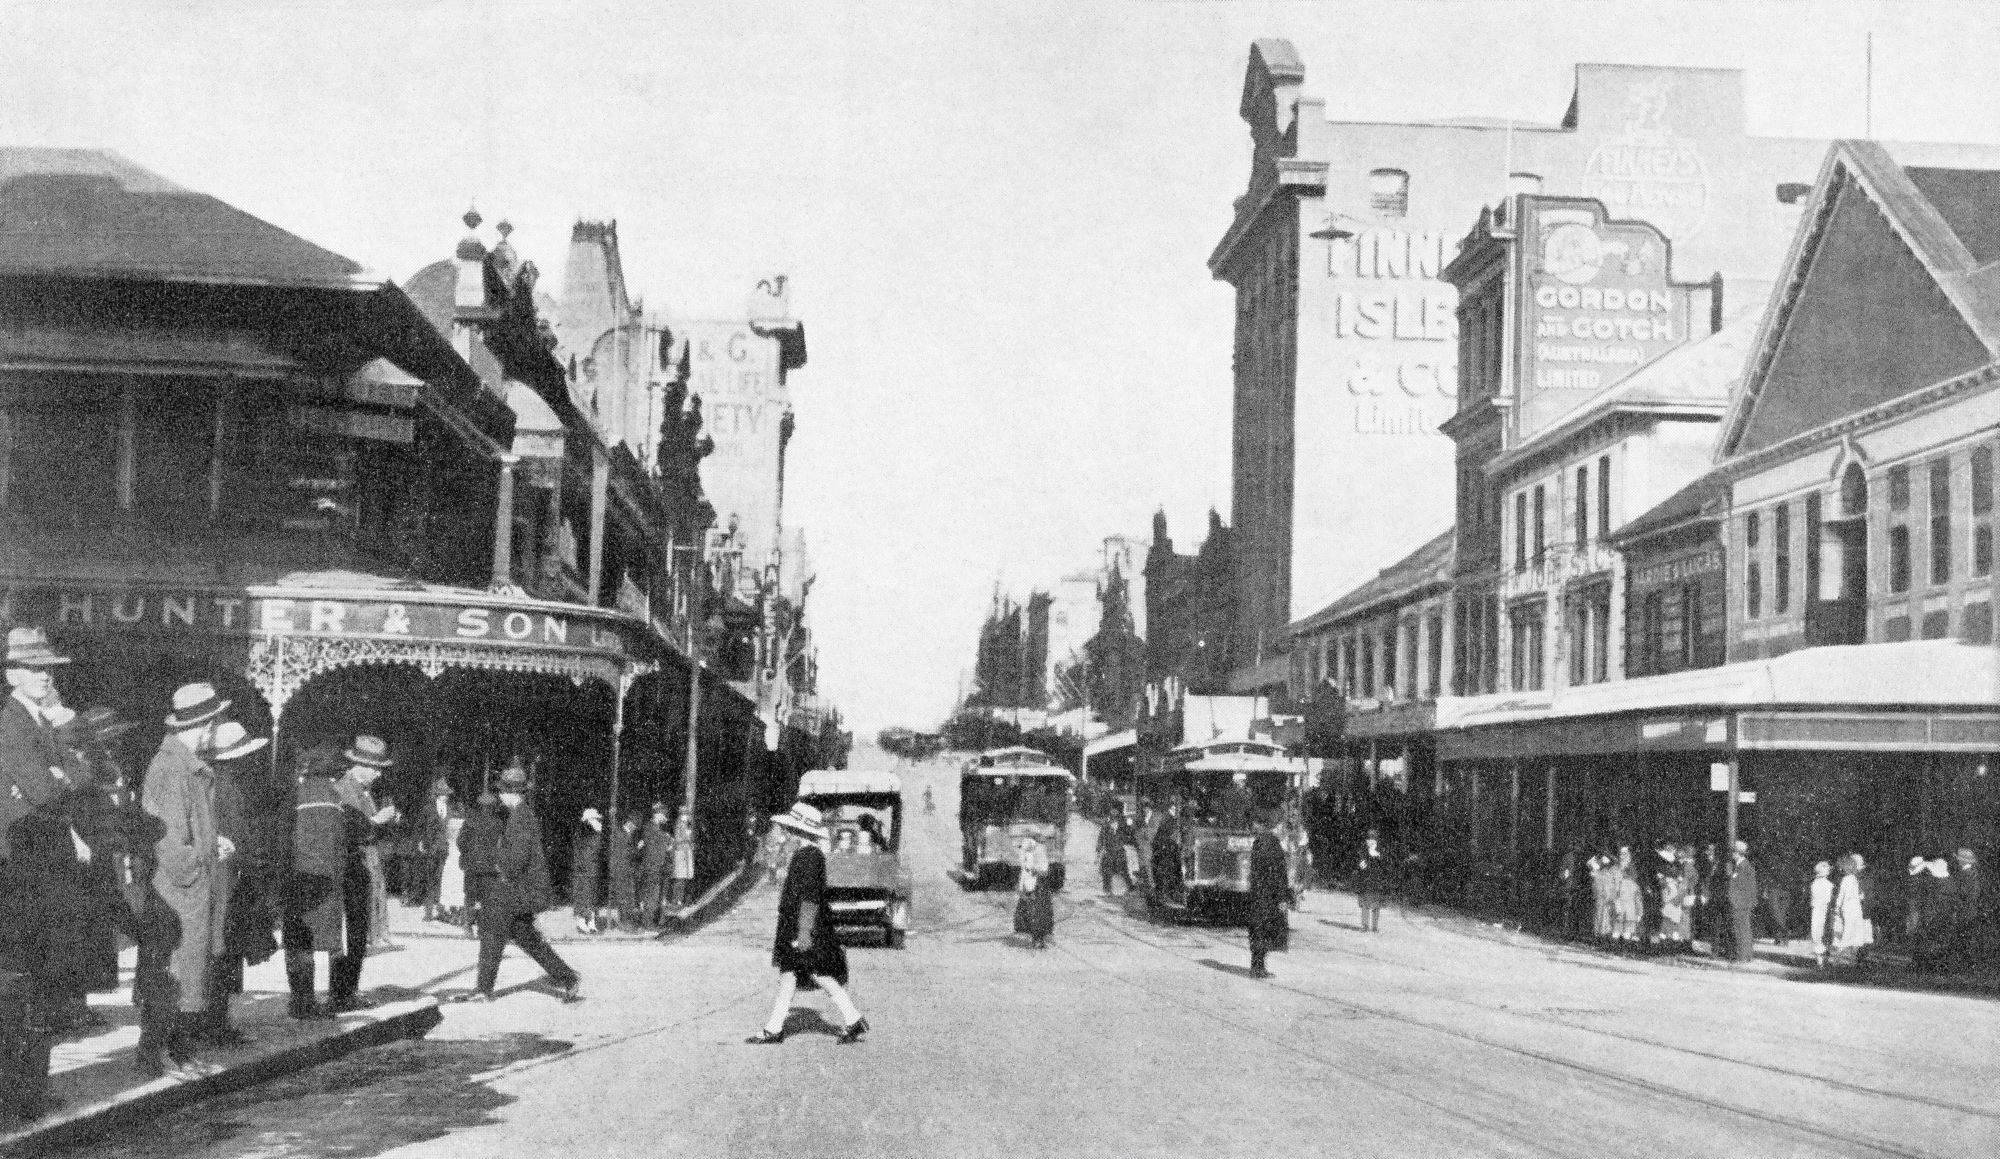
[
  {"x": 513, "y": 888},
  {"x": 805, "y": 949}
]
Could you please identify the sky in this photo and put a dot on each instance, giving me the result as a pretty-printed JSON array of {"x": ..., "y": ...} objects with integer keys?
[{"x": 996, "y": 216}]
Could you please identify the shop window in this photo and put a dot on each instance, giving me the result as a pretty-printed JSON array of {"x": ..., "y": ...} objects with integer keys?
[
  {"x": 1541, "y": 522},
  {"x": 1753, "y": 569},
  {"x": 1940, "y": 526},
  {"x": 1652, "y": 633},
  {"x": 1600, "y": 635},
  {"x": 1813, "y": 525},
  {"x": 1690, "y": 625},
  {"x": 1899, "y": 559},
  {"x": 1583, "y": 504},
  {"x": 1896, "y": 629},
  {"x": 1899, "y": 488},
  {"x": 62, "y": 466},
  {"x": 1978, "y": 624},
  {"x": 1605, "y": 496},
  {"x": 1521, "y": 531},
  {"x": 1389, "y": 192},
  {"x": 1527, "y": 638},
  {"x": 1781, "y": 559}
]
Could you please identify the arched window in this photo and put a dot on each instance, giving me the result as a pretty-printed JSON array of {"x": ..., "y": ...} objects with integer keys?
[
  {"x": 1389, "y": 192},
  {"x": 1853, "y": 492}
]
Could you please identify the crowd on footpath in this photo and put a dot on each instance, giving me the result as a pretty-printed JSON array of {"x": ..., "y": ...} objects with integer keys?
[
  {"x": 1680, "y": 896},
  {"x": 633, "y": 877},
  {"x": 203, "y": 868}
]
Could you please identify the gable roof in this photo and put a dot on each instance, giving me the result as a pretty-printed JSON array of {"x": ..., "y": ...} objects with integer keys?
[
  {"x": 1430, "y": 564},
  {"x": 1949, "y": 222},
  {"x": 92, "y": 213},
  {"x": 1697, "y": 502}
]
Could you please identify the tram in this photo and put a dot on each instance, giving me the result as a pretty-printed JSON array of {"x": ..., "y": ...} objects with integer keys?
[
  {"x": 1006, "y": 796},
  {"x": 1203, "y": 802}
]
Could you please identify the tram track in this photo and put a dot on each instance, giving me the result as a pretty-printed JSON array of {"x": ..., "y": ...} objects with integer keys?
[{"x": 1786, "y": 1123}]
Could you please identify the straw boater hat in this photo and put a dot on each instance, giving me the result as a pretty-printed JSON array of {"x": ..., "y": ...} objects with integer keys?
[
  {"x": 371, "y": 751},
  {"x": 803, "y": 820},
  {"x": 591, "y": 814},
  {"x": 29, "y": 648},
  {"x": 195, "y": 704},
  {"x": 232, "y": 740}
]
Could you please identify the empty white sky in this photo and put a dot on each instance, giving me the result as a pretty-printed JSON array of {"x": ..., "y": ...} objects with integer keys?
[{"x": 996, "y": 215}]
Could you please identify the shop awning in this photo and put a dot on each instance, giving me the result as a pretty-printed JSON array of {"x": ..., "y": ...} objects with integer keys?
[
  {"x": 31, "y": 345},
  {"x": 1111, "y": 742}
]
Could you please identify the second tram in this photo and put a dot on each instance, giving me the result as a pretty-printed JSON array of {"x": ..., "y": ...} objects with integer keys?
[
  {"x": 1203, "y": 805},
  {"x": 1007, "y": 797}
]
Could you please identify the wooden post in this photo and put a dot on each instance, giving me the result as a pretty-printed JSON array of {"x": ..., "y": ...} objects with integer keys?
[
  {"x": 618, "y": 688},
  {"x": 688, "y": 769},
  {"x": 1549, "y": 811}
]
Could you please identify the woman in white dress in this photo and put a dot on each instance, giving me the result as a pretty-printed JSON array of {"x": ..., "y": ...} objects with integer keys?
[
  {"x": 1852, "y": 931},
  {"x": 451, "y": 890}
]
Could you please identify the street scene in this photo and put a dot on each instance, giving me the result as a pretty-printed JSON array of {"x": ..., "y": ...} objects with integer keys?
[{"x": 1371, "y": 578}]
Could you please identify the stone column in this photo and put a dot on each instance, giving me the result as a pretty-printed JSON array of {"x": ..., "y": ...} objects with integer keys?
[{"x": 503, "y": 524}]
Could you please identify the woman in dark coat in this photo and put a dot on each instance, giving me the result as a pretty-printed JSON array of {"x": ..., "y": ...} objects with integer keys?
[
  {"x": 622, "y": 893},
  {"x": 314, "y": 912},
  {"x": 805, "y": 950},
  {"x": 1371, "y": 881},
  {"x": 1270, "y": 892},
  {"x": 586, "y": 878}
]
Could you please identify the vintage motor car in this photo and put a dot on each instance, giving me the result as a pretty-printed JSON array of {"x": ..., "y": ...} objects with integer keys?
[{"x": 867, "y": 878}]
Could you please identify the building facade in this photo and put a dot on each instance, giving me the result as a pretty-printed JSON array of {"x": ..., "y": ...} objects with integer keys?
[{"x": 1347, "y": 337}]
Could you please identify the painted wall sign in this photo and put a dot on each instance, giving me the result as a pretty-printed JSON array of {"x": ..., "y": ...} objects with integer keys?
[
  {"x": 1646, "y": 170},
  {"x": 1675, "y": 570},
  {"x": 734, "y": 370},
  {"x": 1595, "y": 305}
]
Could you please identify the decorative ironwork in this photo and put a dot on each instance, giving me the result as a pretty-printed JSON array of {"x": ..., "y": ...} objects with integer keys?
[{"x": 279, "y": 666}]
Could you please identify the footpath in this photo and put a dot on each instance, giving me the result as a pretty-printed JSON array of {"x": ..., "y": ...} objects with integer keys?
[{"x": 411, "y": 983}]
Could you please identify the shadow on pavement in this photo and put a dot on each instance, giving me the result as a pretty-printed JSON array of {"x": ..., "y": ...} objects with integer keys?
[
  {"x": 365, "y": 1104},
  {"x": 1226, "y": 968}
]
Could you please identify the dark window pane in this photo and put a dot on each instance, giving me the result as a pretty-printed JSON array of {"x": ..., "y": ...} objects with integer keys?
[
  {"x": 1896, "y": 629},
  {"x": 63, "y": 470},
  {"x": 1899, "y": 488},
  {"x": 1982, "y": 550},
  {"x": 173, "y": 442},
  {"x": 1982, "y": 480},
  {"x": 1899, "y": 559},
  {"x": 1978, "y": 627},
  {"x": 1937, "y": 625}
]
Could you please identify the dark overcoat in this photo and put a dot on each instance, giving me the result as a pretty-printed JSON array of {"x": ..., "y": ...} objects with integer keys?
[
  {"x": 429, "y": 838},
  {"x": 623, "y": 894},
  {"x": 479, "y": 851},
  {"x": 1035, "y": 912},
  {"x": 520, "y": 888},
  {"x": 314, "y": 907},
  {"x": 585, "y": 878},
  {"x": 805, "y": 891},
  {"x": 1371, "y": 877},
  {"x": 1270, "y": 891}
]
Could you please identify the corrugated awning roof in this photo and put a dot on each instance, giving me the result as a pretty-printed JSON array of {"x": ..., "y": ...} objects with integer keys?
[
  {"x": 1430, "y": 564},
  {"x": 92, "y": 213}
]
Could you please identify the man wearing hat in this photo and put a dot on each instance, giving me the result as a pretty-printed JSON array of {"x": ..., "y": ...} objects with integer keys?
[
  {"x": 367, "y": 759},
  {"x": 805, "y": 947},
  {"x": 188, "y": 875},
  {"x": 513, "y": 887},
  {"x": 430, "y": 840},
  {"x": 1742, "y": 903},
  {"x": 248, "y": 916},
  {"x": 313, "y": 897}
]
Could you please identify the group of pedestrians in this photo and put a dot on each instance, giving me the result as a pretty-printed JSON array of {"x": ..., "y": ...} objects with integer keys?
[
  {"x": 1667, "y": 899},
  {"x": 633, "y": 876}
]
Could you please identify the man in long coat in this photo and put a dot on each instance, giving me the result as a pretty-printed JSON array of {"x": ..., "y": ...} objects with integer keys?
[
  {"x": 1742, "y": 904},
  {"x": 656, "y": 857},
  {"x": 805, "y": 947},
  {"x": 430, "y": 838},
  {"x": 366, "y": 759},
  {"x": 180, "y": 791},
  {"x": 514, "y": 887},
  {"x": 1270, "y": 893}
]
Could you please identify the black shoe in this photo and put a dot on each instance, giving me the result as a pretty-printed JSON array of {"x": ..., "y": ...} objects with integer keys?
[
  {"x": 568, "y": 991},
  {"x": 766, "y": 1038},
  {"x": 853, "y": 1033}
]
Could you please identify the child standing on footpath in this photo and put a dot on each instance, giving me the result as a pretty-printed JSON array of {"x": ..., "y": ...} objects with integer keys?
[{"x": 1822, "y": 902}]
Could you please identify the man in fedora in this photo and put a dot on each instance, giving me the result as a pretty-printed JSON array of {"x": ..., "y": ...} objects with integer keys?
[
  {"x": 512, "y": 886},
  {"x": 188, "y": 874},
  {"x": 367, "y": 759},
  {"x": 39, "y": 849},
  {"x": 805, "y": 947},
  {"x": 248, "y": 917}
]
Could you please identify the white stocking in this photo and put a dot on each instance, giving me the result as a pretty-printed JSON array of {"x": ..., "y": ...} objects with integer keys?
[
  {"x": 787, "y": 986},
  {"x": 841, "y": 1002}
]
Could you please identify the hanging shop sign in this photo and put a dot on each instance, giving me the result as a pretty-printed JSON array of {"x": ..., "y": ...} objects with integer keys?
[{"x": 304, "y": 613}]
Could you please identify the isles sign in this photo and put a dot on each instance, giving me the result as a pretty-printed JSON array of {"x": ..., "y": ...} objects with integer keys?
[{"x": 1595, "y": 305}]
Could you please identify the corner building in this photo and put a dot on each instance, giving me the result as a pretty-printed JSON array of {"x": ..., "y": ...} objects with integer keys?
[{"x": 1346, "y": 342}]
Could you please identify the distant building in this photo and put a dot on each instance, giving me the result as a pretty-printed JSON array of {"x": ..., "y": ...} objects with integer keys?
[{"x": 1346, "y": 337}]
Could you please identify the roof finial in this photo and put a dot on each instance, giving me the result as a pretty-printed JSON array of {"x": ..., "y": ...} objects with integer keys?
[
  {"x": 504, "y": 228},
  {"x": 472, "y": 218}
]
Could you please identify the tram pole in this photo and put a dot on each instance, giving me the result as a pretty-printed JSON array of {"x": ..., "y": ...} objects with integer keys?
[
  {"x": 618, "y": 687},
  {"x": 688, "y": 769}
]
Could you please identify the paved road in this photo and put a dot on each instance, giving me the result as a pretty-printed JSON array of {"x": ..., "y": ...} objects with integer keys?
[{"x": 1437, "y": 1037}]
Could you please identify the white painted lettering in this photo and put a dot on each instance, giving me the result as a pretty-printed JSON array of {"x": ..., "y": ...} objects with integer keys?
[
  {"x": 517, "y": 625},
  {"x": 277, "y": 615},
  {"x": 554, "y": 631},
  {"x": 176, "y": 608},
  {"x": 228, "y": 608},
  {"x": 472, "y": 622},
  {"x": 128, "y": 609},
  {"x": 328, "y": 616},
  {"x": 75, "y": 609}
]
